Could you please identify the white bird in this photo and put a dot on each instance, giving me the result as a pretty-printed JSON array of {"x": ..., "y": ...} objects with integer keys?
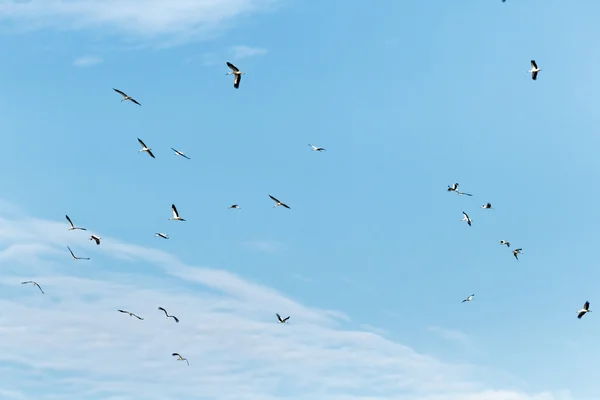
[
  {"x": 454, "y": 188},
  {"x": 131, "y": 314},
  {"x": 315, "y": 148},
  {"x": 585, "y": 309},
  {"x": 505, "y": 242},
  {"x": 282, "y": 320},
  {"x": 125, "y": 97},
  {"x": 35, "y": 283},
  {"x": 73, "y": 227},
  {"x": 468, "y": 298},
  {"x": 176, "y": 216},
  {"x": 487, "y": 206},
  {"x": 235, "y": 206},
  {"x": 181, "y": 358},
  {"x": 75, "y": 257},
  {"x": 516, "y": 253},
  {"x": 534, "y": 70},
  {"x": 278, "y": 203},
  {"x": 162, "y": 235},
  {"x": 145, "y": 148},
  {"x": 178, "y": 153},
  {"x": 466, "y": 218},
  {"x": 238, "y": 74},
  {"x": 96, "y": 239},
  {"x": 169, "y": 316}
]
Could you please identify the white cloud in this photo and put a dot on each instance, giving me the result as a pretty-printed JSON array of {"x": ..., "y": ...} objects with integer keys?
[
  {"x": 87, "y": 61},
  {"x": 71, "y": 343},
  {"x": 149, "y": 19},
  {"x": 239, "y": 52}
]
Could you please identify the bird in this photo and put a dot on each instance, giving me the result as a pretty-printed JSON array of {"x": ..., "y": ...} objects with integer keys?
[
  {"x": 516, "y": 253},
  {"x": 176, "y": 216},
  {"x": 162, "y": 235},
  {"x": 278, "y": 203},
  {"x": 466, "y": 218},
  {"x": 145, "y": 148},
  {"x": 585, "y": 309},
  {"x": 238, "y": 74},
  {"x": 96, "y": 238},
  {"x": 468, "y": 298},
  {"x": 35, "y": 283},
  {"x": 454, "y": 188},
  {"x": 315, "y": 148},
  {"x": 181, "y": 358},
  {"x": 75, "y": 257},
  {"x": 73, "y": 227},
  {"x": 534, "y": 70},
  {"x": 487, "y": 206},
  {"x": 169, "y": 316},
  {"x": 131, "y": 314},
  {"x": 125, "y": 97},
  {"x": 282, "y": 320},
  {"x": 235, "y": 206},
  {"x": 505, "y": 242},
  {"x": 178, "y": 153}
]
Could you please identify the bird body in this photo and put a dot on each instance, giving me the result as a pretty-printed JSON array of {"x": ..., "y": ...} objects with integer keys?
[
  {"x": 162, "y": 235},
  {"x": 131, "y": 314},
  {"x": 235, "y": 206},
  {"x": 96, "y": 239},
  {"x": 534, "y": 70},
  {"x": 315, "y": 148},
  {"x": 169, "y": 316},
  {"x": 125, "y": 97},
  {"x": 278, "y": 203},
  {"x": 73, "y": 227},
  {"x": 179, "y": 153},
  {"x": 145, "y": 148},
  {"x": 466, "y": 218},
  {"x": 34, "y": 283},
  {"x": 282, "y": 320},
  {"x": 516, "y": 253},
  {"x": 176, "y": 216},
  {"x": 236, "y": 73},
  {"x": 584, "y": 310},
  {"x": 487, "y": 206},
  {"x": 469, "y": 298}
]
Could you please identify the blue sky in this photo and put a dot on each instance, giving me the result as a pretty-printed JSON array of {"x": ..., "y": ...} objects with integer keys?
[{"x": 371, "y": 261}]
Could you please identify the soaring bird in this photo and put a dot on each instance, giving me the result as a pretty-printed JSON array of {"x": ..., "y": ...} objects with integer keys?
[
  {"x": 487, "y": 206},
  {"x": 468, "y": 298},
  {"x": 534, "y": 70},
  {"x": 237, "y": 74},
  {"x": 454, "y": 188},
  {"x": 35, "y": 283},
  {"x": 125, "y": 97},
  {"x": 505, "y": 242},
  {"x": 75, "y": 257},
  {"x": 466, "y": 218},
  {"x": 176, "y": 216},
  {"x": 282, "y": 320},
  {"x": 168, "y": 316},
  {"x": 95, "y": 238},
  {"x": 73, "y": 227},
  {"x": 235, "y": 206},
  {"x": 181, "y": 358},
  {"x": 162, "y": 235},
  {"x": 145, "y": 148},
  {"x": 585, "y": 309},
  {"x": 131, "y": 314},
  {"x": 278, "y": 203},
  {"x": 315, "y": 148},
  {"x": 516, "y": 253},
  {"x": 178, "y": 153}
]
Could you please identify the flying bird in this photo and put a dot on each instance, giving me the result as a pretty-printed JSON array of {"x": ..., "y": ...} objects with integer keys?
[
  {"x": 96, "y": 239},
  {"x": 505, "y": 242},
  {"x": 73, "y": 227},
  {"x": 125, "y": 97},
  {"x": 585, "y": 309},
  {"x": 237, "y": 74},
  {"x": 75, "y": 257},
  {"x": 162, "y": 235},
  {"x": 131, "y": 314},
  {"x": 178, "y": 153},
  {"x": 454, "y": 188},
  {"x": 466, "y": 218},
  {"x": 35, "y": 283},
  {"x": 468, "y": 298},
  {"x": 235, "y": 206},
  {"x": 487, "y": 206},
  {"x": 278, "y": 203},
  {"x": 168, "y": 316},
  {"x": 516, "y": 253},
  {"x": 534, "y": 70},
  {"x": 176, "y": 216},
  {"x": 315, "y": 148},
  {"x": 282, "y": 320},
  {"x": 145, "y": 148},
  {"x": 181, "y": 358}
]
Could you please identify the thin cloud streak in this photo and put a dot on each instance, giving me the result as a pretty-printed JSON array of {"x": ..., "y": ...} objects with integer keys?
[
  {"x": 241, "y": 52},
  {"x": 87, "y": 61}
]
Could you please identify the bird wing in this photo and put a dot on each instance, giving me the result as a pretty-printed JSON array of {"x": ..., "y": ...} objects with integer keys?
[
  {"x": 534, "y": 75},
  {"x": 285, "y": 205},
  {"x": 518, "y": 250},
  {"x": 466, "y": 194},
  {"x": 176, "y": 354},
  {"x": 39, "y": 287},
  {"x": 175, "y": 318},
  {"x": 236, "y": 81},
  {"x": 465, "y": 214},
  {"x": 71, "y": 251},
  {"x": 533, "y": 64},
  {"x": 586, "y": 306},
  {"x": 26, "y": 282},
  {"x": 121, "y": 93},
  {"x": 581, "y": 314},
  {"x": 151, "y": 155},
  {"x": 135, "y": 101},
  {"x": 175, "y": 213},
  {"x": 138, "y": 317},
  {"x": 186, "y": 360},
  {"x": 83, "y": 258},
  {"x": 70, "y": 222},
  {"x": 274, "y": 199},
  {"x": 123, "y": 311},
  {"x": 142, "y": 143},
  {"x": 279, "y": 317},
  {"x": 233, "y": 67},
  {"x": 285, "y": 319},
  {"x": 507, "y": 244},
  {"x": 163, "y": 310}
]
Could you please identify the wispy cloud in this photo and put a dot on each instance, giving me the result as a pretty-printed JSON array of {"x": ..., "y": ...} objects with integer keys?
[
  {"x": 87, "y": 61},
  {"x": 71, "y": 343},
  {"x": 177, "y": 20},
  {"x": 239, "y": 52}
]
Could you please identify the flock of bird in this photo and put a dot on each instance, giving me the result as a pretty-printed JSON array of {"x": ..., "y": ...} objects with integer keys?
[{"x": 488, "y": 206}]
